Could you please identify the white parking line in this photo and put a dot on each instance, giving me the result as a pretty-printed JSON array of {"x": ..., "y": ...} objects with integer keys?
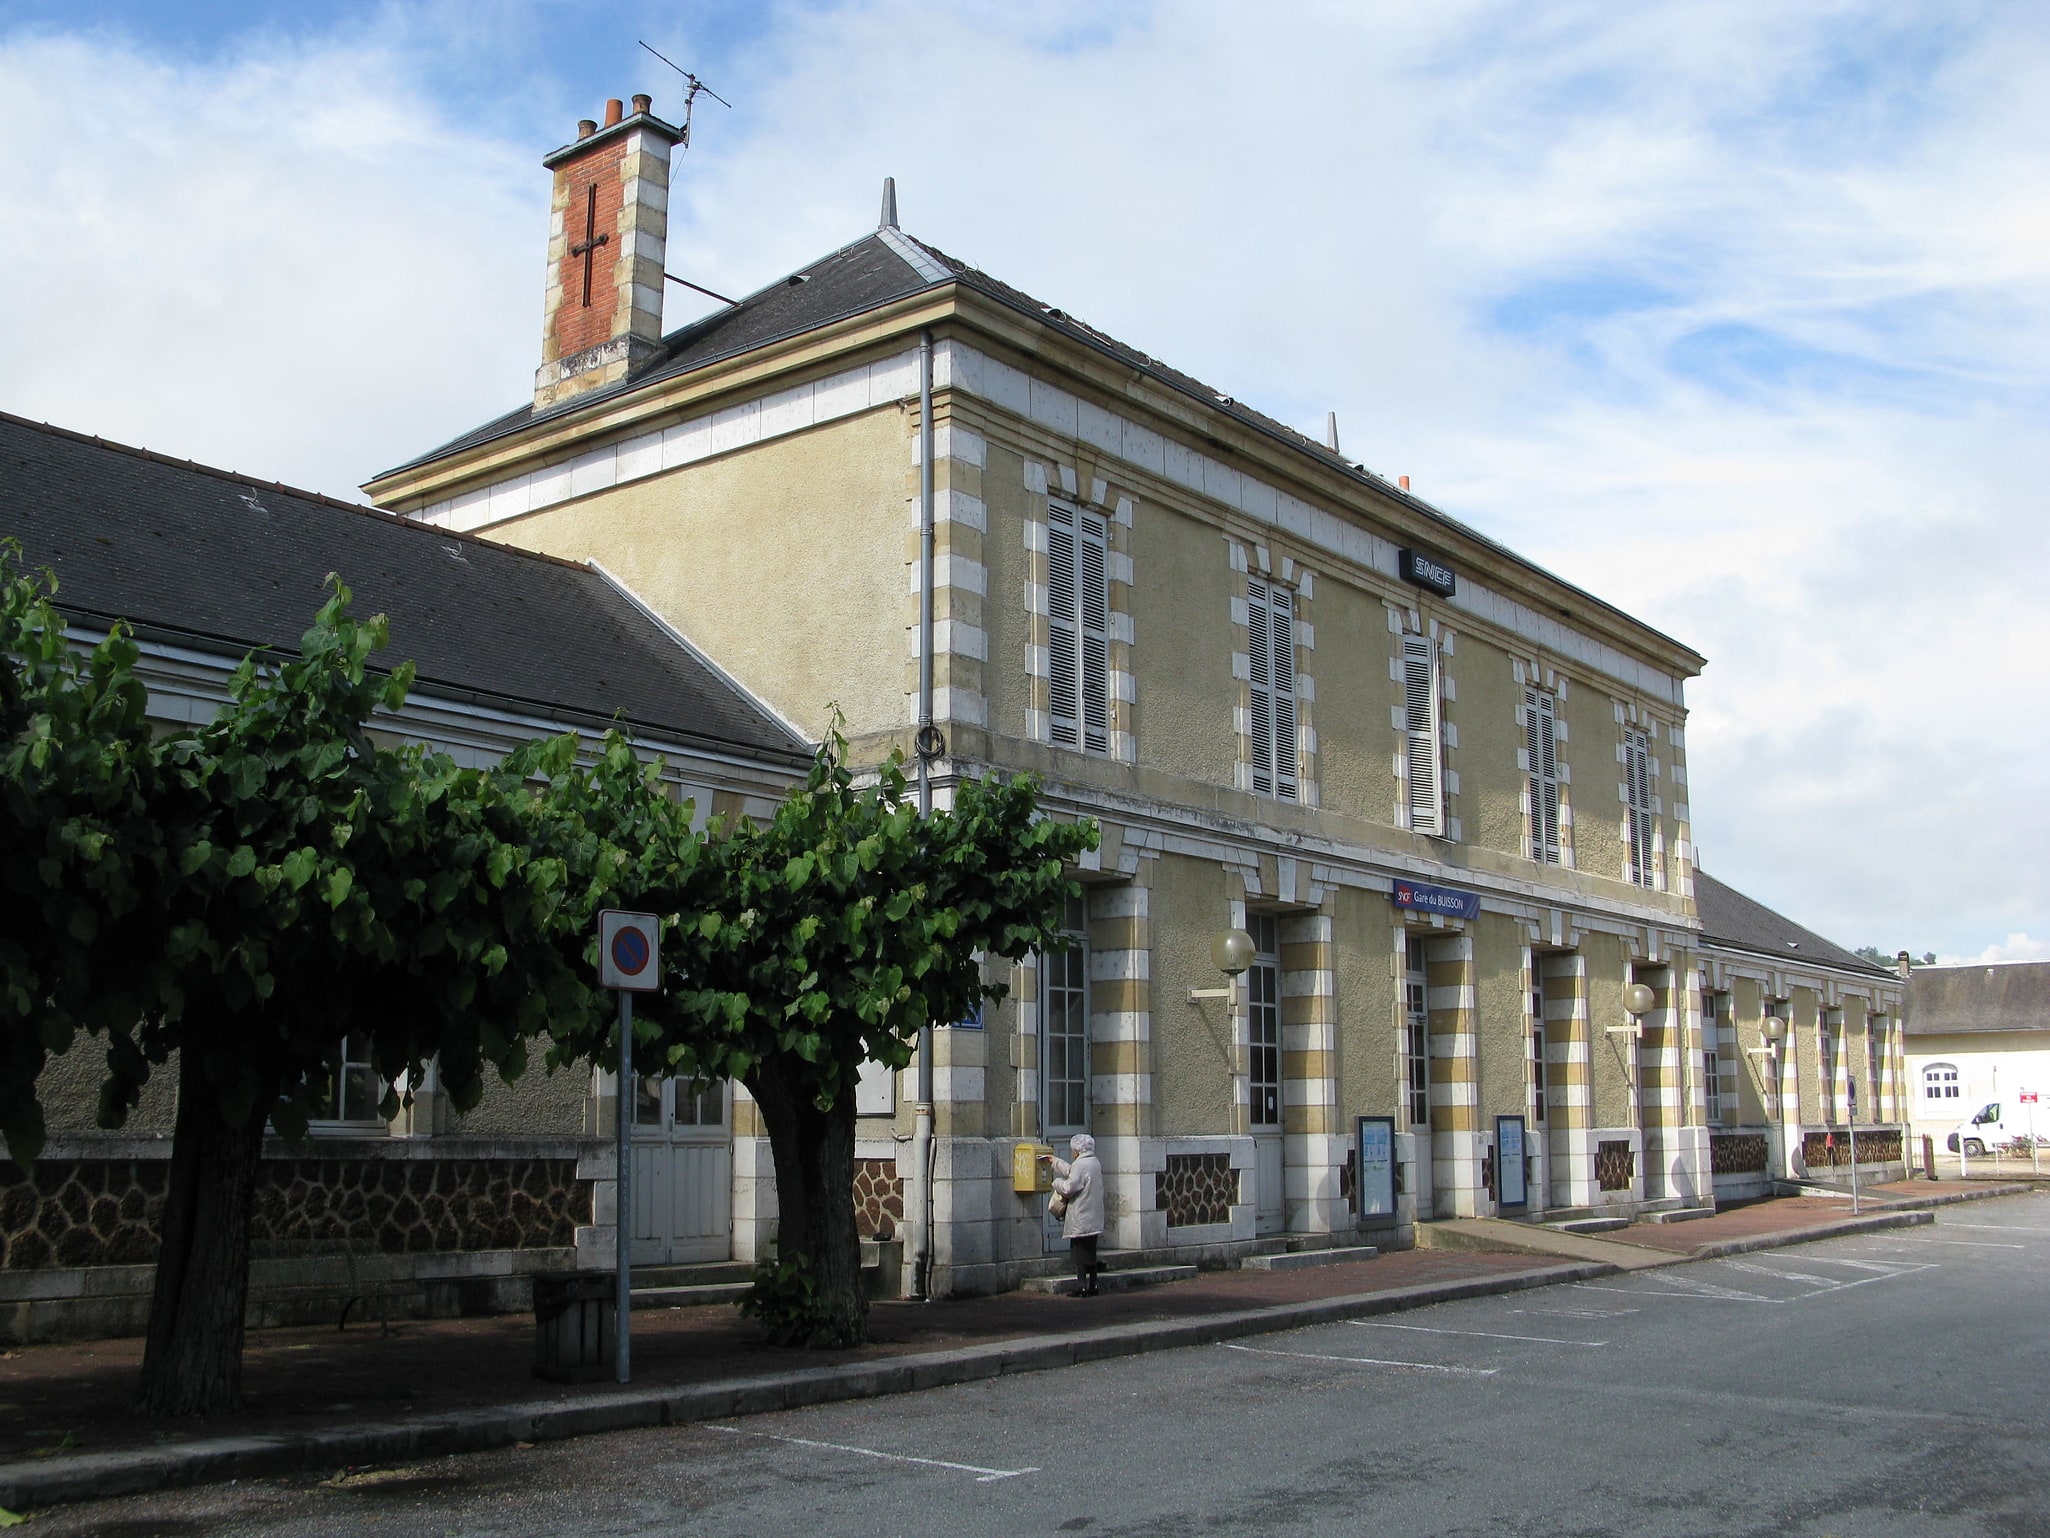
[
  {"x": 1368, "y": 1361},
  {"x": 983, "y": 1476},
  {"x": 1577, "y": 1313},
  {"x": 2003, "y": 1228},
  {"x": 1970, "y": 1244},
  {"x": 1711, "y": 1295},
  {"x": 1425, "y": 1329}
]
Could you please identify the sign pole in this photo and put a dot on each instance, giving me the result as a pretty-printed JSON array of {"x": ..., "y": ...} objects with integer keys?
[
  {"x": 629, "y": 950},
  {"x": 1852, "y": 1084},
  {"x": 622, "y": 1299}
]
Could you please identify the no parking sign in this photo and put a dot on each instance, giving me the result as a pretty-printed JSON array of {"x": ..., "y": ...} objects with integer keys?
[{"x": 629, "y": 953}]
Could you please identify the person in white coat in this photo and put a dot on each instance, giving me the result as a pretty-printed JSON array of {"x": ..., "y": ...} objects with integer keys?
[{"x": 1079, "y": 1185}]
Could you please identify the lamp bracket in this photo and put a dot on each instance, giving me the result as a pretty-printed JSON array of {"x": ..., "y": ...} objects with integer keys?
[{"x": 1208, "y": 993}]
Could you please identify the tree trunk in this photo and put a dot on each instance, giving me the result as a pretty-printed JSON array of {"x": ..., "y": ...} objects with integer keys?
[
  {"x": 814, "y": 1153},
  {"x": 192, "y": 1362}
]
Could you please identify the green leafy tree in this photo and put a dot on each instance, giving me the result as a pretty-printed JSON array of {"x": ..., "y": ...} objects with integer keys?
[
  {"x": 282, "y": 880},
  {"x": 80, "y": 852},
  {"x": 827, "y": 937}
]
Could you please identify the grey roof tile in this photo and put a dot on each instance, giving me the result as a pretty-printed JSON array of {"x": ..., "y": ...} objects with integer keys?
[
  {"x": 240, "y": 563},
  {"x": 1730, "y": 918}
]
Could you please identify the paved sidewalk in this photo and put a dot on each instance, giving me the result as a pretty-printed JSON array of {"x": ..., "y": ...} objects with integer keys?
[{"x": 320, "y": 1398}]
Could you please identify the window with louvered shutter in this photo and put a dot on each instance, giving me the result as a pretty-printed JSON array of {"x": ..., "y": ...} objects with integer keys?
[
  {"x": 1270, "y": 626},
  {"x": 1637, "y": 793},
  {"x": 1078, "y": 640},
  {"x": 1541, "y": 738},
  {"x": 1420, "y": 737}
]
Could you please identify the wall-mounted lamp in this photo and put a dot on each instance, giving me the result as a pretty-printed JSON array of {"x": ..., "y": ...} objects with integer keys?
[
  {"x": 1638, "y": 1000},
  {"x": 1232, "y": 950}
]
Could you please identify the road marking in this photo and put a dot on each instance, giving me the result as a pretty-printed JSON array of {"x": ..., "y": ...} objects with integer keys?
[
  {"x": 1579, "y": 1313},
  {"x": 1369, "y": 1361},
  {"x": 983, "y": 1476},
  {"x": 1970, "y": 1244},
  {"x": 1716, "y": 1295},
  {"x": 1425, "y": 1329},
  {"x": 1786, "y": 1276},
  {"x": 2002, "y": 1228}
]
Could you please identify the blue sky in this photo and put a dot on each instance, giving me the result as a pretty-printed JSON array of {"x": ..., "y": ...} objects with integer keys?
[{"x": 1737, "y": 315}]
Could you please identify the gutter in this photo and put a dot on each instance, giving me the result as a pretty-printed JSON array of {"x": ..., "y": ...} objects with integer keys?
[{"x": 924, "y": 745}]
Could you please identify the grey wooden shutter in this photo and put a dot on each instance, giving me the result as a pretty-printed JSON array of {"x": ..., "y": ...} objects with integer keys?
[
  {"x": 1420, "y": 704},
  {"x": 1260, "y": 728},
  {"x": 1063, "y": 640},
  {"x": 1093, "y": 600},
  {"x": 1637, "y": 788},
  {"x": 1540, "y": 720},
  {"x": 1281, "y": 630}
]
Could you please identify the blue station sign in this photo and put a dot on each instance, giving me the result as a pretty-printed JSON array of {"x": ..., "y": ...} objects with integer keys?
[
  {"x": 1449, "y": 901},
  {"x": 1427, "y": 570}
]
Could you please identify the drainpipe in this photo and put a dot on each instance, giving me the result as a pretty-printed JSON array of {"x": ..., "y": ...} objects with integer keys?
[{"x": 921, "y": 1136}]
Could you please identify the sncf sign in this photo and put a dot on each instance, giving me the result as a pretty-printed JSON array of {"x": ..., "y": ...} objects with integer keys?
[{"x": 1428, "y": 571}]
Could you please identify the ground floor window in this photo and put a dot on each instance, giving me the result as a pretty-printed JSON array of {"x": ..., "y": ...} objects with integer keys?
[
  {"x": 1263, "y": 1022},
  {"x": 353, "y": 1089},
  {"x": 1416, "y": 997},
  {"x": 1939, "y": 1082},
  {"x": 1064, "y": 1028}
]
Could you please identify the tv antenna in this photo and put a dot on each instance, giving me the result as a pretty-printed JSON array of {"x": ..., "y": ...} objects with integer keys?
[{"x": 690, "y": 96}]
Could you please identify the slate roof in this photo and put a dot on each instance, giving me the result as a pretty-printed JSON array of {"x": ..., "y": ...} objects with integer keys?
[
  {"x": 233, "y": 563},
  {"x": 888, "y": 265},
  {"x": 1729, "y": 918},
  {"x": 2012, "y": 997}
]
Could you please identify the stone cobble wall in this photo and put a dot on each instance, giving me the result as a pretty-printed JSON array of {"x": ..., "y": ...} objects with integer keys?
[
  {"x": 1196, "y": 1188},
  {"x": 878, "y": 1198},
  {"x": 1737, "y": 1153},
  {"x": 1826, "y": 1150},
  {"x": 104, "y": 1212}
]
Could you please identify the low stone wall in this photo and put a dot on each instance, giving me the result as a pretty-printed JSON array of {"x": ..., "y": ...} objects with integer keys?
[{"x": 409, "y": 1227}]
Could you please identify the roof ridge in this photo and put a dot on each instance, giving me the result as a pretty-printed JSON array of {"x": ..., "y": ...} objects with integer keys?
[{"x": 320, "y": 497}]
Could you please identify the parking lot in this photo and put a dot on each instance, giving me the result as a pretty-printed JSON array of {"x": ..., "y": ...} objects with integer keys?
[{"x": 1889, "y": 1384}]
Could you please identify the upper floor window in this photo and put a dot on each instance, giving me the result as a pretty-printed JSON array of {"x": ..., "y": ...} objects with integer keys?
[
  {"x": 1640, "y": 821},
  {"x": 1078, "y": 642},
  {"x": 1270, "y": 626},
  {"x": 1541, "y": 743},
  {"x": 1424, "y": 799}
]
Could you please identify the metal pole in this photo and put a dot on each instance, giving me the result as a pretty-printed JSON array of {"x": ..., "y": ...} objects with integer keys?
[
  {"x": 1854, "y": 1147},
  {"x": 922, "y": 1116},
  {"x": 622, "y": 1296}
]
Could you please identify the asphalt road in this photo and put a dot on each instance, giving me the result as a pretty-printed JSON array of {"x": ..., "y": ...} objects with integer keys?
[{"x": 1891, "y": 1386}]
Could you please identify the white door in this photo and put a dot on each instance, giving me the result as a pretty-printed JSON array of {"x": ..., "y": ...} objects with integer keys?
[{"x": 682, "y": 1173}]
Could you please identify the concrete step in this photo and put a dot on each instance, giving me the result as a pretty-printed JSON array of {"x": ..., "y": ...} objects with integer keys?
[
  {"x": 702, "y": 1274},
  {"x": 1298, "y": 1259},
  {"x": 1682, "y": 1214},
  {"x": 691, "y": 1296},
  {"x": 1589, "y": 1225},
  {"x": 1112, "y": 1281}
]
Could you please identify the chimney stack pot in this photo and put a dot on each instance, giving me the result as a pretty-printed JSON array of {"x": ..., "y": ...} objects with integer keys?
[
  {"x": 1404, "y": 482},
  {"x": 615, "y": 109},
  {"x": 643, "y": 103},
  {"x": 586, "y": 127}
]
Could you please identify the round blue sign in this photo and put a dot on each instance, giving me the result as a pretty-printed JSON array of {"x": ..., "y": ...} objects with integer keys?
[{"x": 630, "y": 951}]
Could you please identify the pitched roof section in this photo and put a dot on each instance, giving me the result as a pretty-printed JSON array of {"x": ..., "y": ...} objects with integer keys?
[
  {"x": 2012, "y": 997},
  {"x": 1730, "y": 918},
  {"x": 888, "y": 265},
  {"x": 239, "y": 563}
]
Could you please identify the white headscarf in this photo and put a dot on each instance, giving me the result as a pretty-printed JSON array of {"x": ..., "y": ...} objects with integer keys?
[{"x": 1081, "y": 1143}]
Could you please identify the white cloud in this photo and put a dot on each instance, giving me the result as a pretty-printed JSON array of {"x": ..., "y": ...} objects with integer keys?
[
  {"x": 1794, "y": 419},
  {"x": 2017, "y": 947}
]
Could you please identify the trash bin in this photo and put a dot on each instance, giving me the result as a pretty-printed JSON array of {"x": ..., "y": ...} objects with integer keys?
[{"x": 573, "y": 1313}]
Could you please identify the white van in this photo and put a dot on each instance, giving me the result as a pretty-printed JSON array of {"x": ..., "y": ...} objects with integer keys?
[{"x": 1987, "y": 1130}]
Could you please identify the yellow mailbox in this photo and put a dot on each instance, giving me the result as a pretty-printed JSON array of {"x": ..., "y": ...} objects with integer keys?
[{"x": 1029, "y": 1170}]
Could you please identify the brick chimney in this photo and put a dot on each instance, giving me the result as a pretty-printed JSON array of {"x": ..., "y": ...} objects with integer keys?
[{"x": 610, "y": 223}]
